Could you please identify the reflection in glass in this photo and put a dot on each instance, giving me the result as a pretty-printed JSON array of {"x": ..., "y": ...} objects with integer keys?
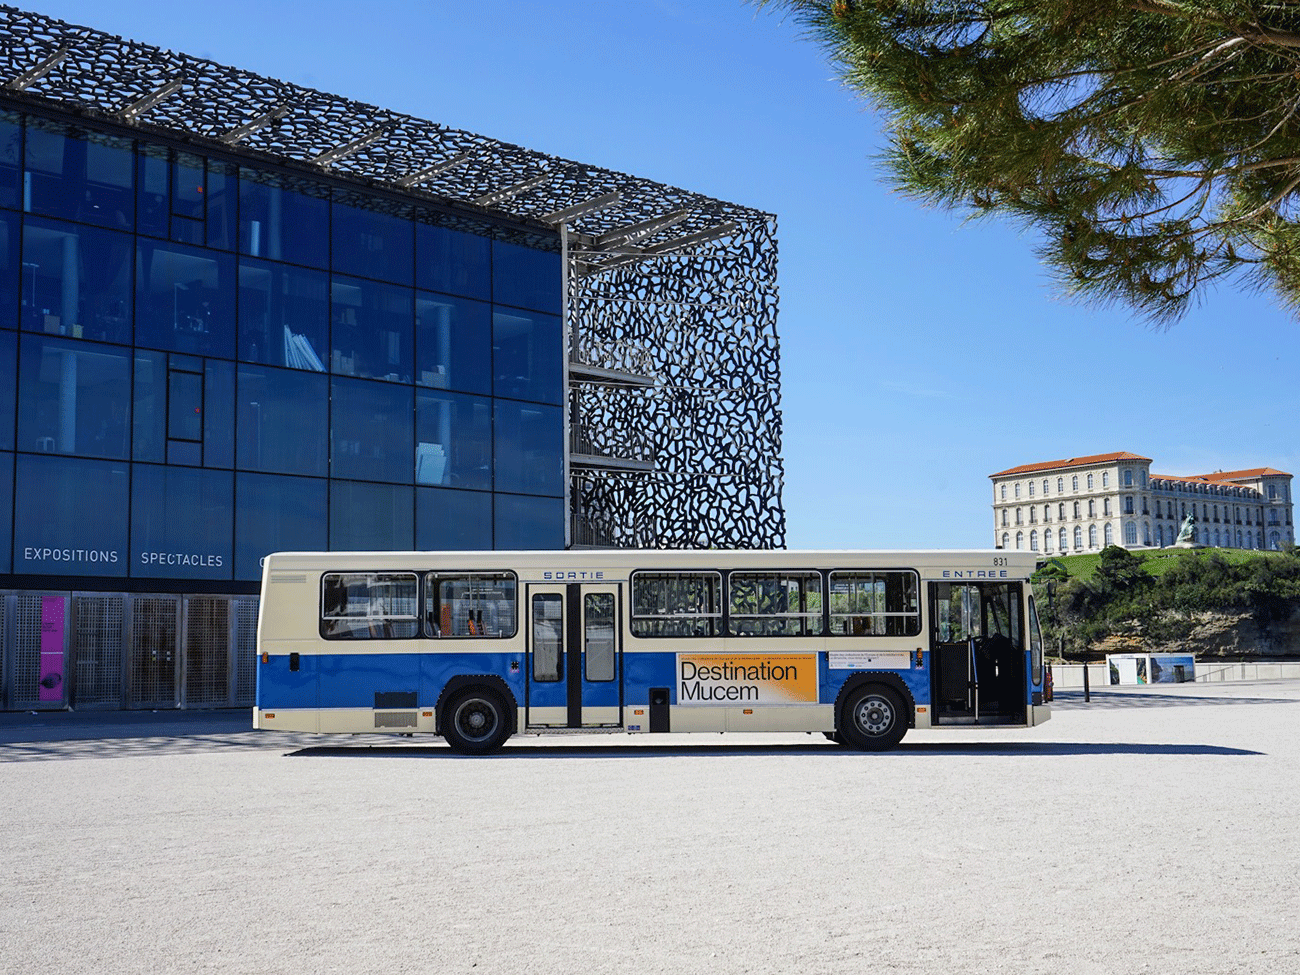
[
  {"x": 10, "y": 280},
  {"x": 10, "y": 161},
  {"x": 185, "y": 299},
  {"x": 78, "y": 175},
  {"x": 453, "y": 343},
  {"x": 283, "y": 218},
  {"x": 70, "y": 516},
  {"x": 529, "y": 454},
  {"x": 371, "y": 244},
  {"x": 370, "y": 431},
  {"x": 453, "y": 440},
  {"x": 218, "y": 414},
  {"x": 453, "y": 262},
  {"x": 277, "y": 514},
  {"x": 447, "y": 520},
  {"x": 372, "y": 330},
  {"x": 181, "y": 519},
  {"x": 282, "y": 422},
  {"x": 370, "y": 517},
  {"x": 74, "y": 398},
  {"x": 525, "y": 278},
  {"x": 283, "y": 315},
  {"x": 8, "y": 388},
  {"x": 528, "y": 523},
  {"x": 527, "y": 356},
  {"x": 76, "y": 281}
]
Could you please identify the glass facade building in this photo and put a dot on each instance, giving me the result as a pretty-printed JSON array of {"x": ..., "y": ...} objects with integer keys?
[
  {"x": 240, "y": 316},
  {"x": 204, "y": 360}
]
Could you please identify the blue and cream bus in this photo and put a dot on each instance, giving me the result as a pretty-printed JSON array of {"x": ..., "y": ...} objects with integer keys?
[{"x": 478, "y": 646}]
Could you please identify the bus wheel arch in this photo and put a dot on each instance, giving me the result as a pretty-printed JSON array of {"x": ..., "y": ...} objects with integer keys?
[
  {"x": 476, "y": 714},
  {"x": 874, "y": 711}
]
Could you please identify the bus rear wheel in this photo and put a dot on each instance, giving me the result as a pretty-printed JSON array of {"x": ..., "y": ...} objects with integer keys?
[
  {"x": 475, "y": 722},
  {"x": 872, "y": 719}
]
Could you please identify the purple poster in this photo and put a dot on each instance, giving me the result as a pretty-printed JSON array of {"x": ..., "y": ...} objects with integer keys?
[{"x": 51, "y": 648}]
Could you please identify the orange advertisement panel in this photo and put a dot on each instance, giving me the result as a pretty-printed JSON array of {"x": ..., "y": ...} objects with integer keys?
[{"x": 746, "y": 679}]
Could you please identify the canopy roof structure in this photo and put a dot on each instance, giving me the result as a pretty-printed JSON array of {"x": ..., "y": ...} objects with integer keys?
[
  {"x": 672, "y": 290},
  {"x": 121, "y": 80}
]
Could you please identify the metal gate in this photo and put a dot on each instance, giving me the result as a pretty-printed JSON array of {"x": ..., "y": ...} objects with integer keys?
[
  {"x": 154, "y": 652},
  {"x": 38, "y": 673},
  {"x": 98, "y": 633}
]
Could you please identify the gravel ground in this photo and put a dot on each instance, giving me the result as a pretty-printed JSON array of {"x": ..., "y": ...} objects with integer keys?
[{"x": 1150, "y": 830}]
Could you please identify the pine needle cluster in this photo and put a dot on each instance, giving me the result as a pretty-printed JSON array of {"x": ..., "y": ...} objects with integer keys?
[{"x": 1153, "y": 144}]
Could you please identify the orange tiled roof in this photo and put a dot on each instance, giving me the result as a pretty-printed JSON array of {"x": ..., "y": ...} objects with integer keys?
[
  {"x": 1070, "y": 462},
  {"x": 1243, "y": 475}
]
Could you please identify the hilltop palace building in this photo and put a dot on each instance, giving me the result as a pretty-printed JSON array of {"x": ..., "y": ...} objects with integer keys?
[
  {"x": 240, "y": 316},
  {"x": 1083, "y": 504}
]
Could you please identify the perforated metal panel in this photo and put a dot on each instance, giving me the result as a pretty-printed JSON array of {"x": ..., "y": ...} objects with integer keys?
[
  {"x": 153, "y": 651},
  {"x": 245, "y": 651},
  {"x": 98, "y": 649},
  {"x": 35, "y": 684},
  {"x": 207, "y": 651}
]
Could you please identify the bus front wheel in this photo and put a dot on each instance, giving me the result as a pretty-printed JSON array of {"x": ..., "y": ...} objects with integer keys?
[
  {"x": 872, "y": 719},
  {"x": 475, "y": 722}
]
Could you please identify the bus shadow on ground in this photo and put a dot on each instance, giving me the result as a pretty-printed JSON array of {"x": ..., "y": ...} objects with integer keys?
[{"x": 1017, "y": 749}]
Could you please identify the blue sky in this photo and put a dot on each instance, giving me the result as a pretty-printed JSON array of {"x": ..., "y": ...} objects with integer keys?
[{"x": 920, "y": 353}]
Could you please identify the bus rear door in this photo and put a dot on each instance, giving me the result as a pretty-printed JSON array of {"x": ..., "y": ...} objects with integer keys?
[{"x": 575, "y": 656}]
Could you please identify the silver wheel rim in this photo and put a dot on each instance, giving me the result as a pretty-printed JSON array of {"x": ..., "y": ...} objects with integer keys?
[
  {"x": 476, "y": 720},
  {"x": 874, "y": 715}
]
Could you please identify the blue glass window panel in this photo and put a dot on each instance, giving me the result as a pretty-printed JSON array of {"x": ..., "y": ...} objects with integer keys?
[
  {"x": 447, "y": 520},
  {"x": 11, "y": 141},
  {"x": 284, "y": 219},
  {"x": 370, "y": 431},
  {"x": 79, "y": 175},
  {"x": 77, "y": 281},
  {"x": 529, "y": 455},
  {"x": 12, "y": 295},
  {"x": 181, "y": 522},
  {"x": 284, "y": 315},
  {"x": 453, "y": 343},
  {"x": 278, "y": 514},
  {"x": 528, "y": 523},
  {"x": 70, "y": 516},
  {"x": 149, "y": 416},
  {"x": 453, "y": 434},
  {"x": 453, "y": 262},
  {"x": 221, "y": 198},
  {"x": 526, "y": 278},
  {"x": 153, "y": 191},
  {"x": 188, "y": 204},
  {"x": 8, "y": 390},
  {"x": 6, "y": 506},
  {"x": 283, "y": 421},
  {"x": 185, "y": 405},
  {"x": 218, "y": 414},
  {"x": 371, "y": 517},
  {"x": 373, "y": 329},
  {"x": 370, "y": 244},
  {"x": 74, "y": 398},
  {"x": 527, "y": 356},
  {"x": 185, "y": 300}
]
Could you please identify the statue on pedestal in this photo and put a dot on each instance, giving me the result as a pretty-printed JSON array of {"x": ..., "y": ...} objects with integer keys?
[{"x": 1187, "y": 533}]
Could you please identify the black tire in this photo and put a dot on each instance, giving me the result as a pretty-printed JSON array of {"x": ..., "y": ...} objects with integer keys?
[
  {"x": 474, "y": 722},
  {"x": 872, "y": 719}
]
